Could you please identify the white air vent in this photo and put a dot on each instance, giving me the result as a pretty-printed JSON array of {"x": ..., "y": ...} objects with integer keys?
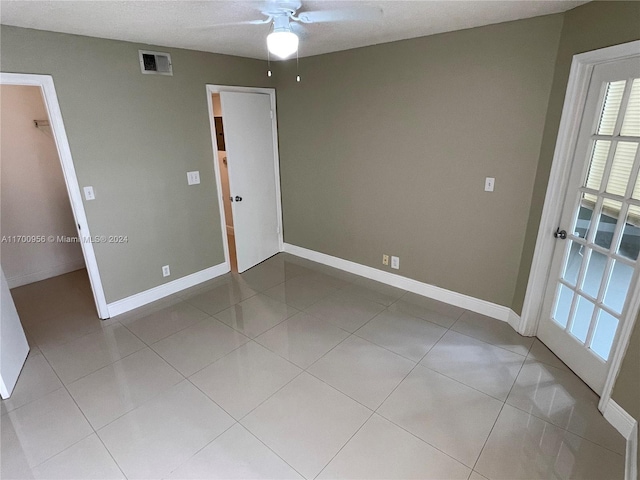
[{"x": 157, "y": 63}]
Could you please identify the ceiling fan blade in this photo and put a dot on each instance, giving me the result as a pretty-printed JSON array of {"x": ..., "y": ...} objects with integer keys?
[
  {"x": 299, "y": 30},
  {"x": 234, "y": 24},
  {"x": 343, "y": 15}
]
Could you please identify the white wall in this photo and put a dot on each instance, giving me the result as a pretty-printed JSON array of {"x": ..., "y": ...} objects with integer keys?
[{"x": 33, "y": 195}]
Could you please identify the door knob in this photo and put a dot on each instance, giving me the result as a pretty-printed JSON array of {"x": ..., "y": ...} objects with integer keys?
[
  {"x": 561, "y": 234},
  {"x": 238, "y": 199}
]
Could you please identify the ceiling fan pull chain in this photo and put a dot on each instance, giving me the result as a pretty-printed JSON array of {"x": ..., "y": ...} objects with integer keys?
[{"x": 297, "y": 69}]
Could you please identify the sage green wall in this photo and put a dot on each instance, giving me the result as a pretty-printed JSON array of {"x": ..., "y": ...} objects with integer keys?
[
  {"x": 385, "y": 149},
  {"x": 588, "y": 27},
  {"x": 133, "y": 137}
]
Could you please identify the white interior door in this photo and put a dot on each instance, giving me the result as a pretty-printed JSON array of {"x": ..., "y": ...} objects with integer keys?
[
  {"x": 249, "y": 139},
  {"x": 594, "y": 270},
  {"x": 13, "y": 342}
]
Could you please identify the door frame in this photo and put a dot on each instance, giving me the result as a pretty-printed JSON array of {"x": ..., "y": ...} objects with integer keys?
[
  {"x": 211, "y": 90},
  {"x": 579, "y": 78},
  {"x": 50, "y": 97}
]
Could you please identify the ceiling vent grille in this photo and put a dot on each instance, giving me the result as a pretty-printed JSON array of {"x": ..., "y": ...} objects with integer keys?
[{"x": 156, "y": 63}]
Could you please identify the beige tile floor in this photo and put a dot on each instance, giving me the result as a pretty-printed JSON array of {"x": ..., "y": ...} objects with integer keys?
[{"x": 292, "y": 370}]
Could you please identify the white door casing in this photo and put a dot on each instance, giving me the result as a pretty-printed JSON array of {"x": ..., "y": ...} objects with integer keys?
[
  {"x": 544, "y": 270},
  {"x": 45, "y": 82},
  {"x": 253, "y": 175}
]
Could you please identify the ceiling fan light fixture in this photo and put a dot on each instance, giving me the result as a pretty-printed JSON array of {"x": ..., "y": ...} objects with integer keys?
[{"x": 282, "y": 42}]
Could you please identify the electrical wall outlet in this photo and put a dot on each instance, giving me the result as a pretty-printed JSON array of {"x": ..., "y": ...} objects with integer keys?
[
  {"x": 489, "y": 183},
  {"x": 395, "y": 262},
  {"x": 165, "y": 271},
  {"x": 385, "y": 259}
]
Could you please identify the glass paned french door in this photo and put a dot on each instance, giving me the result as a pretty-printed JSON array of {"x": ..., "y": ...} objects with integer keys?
[{"x": 596, "y": 265}]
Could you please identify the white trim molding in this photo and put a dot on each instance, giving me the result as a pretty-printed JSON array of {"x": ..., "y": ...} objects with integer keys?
[
  {"x": 581, "y": 70},
  {"x": 461, "y": 300},
  {"x": 45, "y": 82},
  {"x": 143, "y": 298},
  {"x": 627, "y": 426}
]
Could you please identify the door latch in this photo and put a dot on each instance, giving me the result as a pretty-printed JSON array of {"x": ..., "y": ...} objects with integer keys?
[{"x": 561, "y": 234}]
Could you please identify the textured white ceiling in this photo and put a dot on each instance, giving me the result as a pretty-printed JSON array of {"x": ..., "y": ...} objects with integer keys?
[{"x": 192, "y": 24}]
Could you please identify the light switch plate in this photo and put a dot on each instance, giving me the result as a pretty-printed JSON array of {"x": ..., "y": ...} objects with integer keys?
[
  {"x": 395, "y": 262},
  {"x": 88, "y": 193},
  {"x": 489, "y": 183},
  {"x": 193, "y": 178}
]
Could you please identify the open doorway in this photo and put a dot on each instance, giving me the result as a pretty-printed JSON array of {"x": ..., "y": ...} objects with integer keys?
[
  {"x": 60, "y": 231},
  {"x": 37, "y": 224},
  {"x": 223, "y": 166}
]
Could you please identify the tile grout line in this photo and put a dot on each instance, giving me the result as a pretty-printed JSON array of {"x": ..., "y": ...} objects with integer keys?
[
  {"x": 95, "y": 432},
  {"x": 500, "y": 412}
]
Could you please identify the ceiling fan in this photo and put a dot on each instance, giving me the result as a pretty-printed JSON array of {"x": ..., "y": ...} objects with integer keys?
[{"x": 287, "y": 21}]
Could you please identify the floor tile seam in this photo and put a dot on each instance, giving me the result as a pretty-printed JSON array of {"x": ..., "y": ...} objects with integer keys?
[
  {"x": 211, "y": 399},
  {"x": 251, "y": 340},
  {"x": 93, "y": 430},
  {"x": 111, "y": 455},
  {"x": 340, "y": 391},
  {"x": 206, "y": 319},
  {"x": 345, "y": 444},
  {"x": 270, "y": 449},
  {"x": 328, "y": 351},
  {"x": 486, "y": 440},
  {"x": 187, "y": 300},
  {"x": 205, "y": 366},
  {"x": 268, "y": 398},
  {"x": 125, "y": 357},
  {"x": 464, "y": 384},
  {"x": 326, "y": 322},
  {"x": 355, "y": 334},
  {"x": 273, "y": 326},
  {"x": 488, "y": 343},
  {"x": 135, "y": 407},
  {"x": 593, "y": 442},
  {"x": 62, "y": 451},
  {"x": 504, "y": 402},
  {"x": 34, "y": 400},
  {"x": 57, "y": 345},
  {"x": 391, "y": 393},
  {"x": 163, "y": 338},
  {"x": 104, "y": 366},
  {"x": 377, "y": 412}
]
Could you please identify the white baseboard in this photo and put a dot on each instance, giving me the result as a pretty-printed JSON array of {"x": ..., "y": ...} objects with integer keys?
[
  {"x": 143, "y": 298},
  {"x": 628, "y": 428},
  {"x": 467, "y": 302},
  {"x": 50, "y": 272},
  {"x": 514, "y": 320}
]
